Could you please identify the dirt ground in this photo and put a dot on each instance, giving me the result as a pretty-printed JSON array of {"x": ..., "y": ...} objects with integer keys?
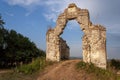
[
  {"x": 63, "y": 71},
  {"x": 2, "y": 71}
]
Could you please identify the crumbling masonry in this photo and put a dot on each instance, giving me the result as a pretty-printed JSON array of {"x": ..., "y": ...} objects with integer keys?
[{"x": 93, "y": 40}]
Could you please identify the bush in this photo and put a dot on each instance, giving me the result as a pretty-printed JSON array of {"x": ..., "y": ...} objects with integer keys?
[
  {"x": 99, "y": 73},
  {"x": 25, "y": 69},
  {"x": 115, "y": 64},
  {"x": 37, "y": 64}
]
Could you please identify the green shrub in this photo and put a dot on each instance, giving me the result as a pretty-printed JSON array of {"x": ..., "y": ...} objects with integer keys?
[
  {"x": 25, "y": 69},
  {"x": 99, "y": 73},
  {"x": 37, "y": 64},
  {"x": 115, "y": 64}
]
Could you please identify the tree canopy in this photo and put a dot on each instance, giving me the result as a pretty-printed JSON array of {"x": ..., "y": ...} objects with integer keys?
[{"x": 16, "y": 48}]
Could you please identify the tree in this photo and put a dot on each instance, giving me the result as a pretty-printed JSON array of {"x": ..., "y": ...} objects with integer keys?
[
  {"x": 1, "y": 22},
  {"x": 16, "y": 48},
  {"x": 3, "y": 43}
]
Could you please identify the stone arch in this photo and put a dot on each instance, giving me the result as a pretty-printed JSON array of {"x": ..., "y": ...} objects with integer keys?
[{"x": 93, "y": 41}]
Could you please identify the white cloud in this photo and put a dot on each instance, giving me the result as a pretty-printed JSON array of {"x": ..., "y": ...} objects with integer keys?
[
  {"x": 114, "y": 28},
  {"x": 9, "y": 14},
  {"x": 98, "y": 9},
  {"x": 56, "y": 6},
  {"x": 51, "y": 17},
  {"x": 28, "y": 13},
  {"x": 29, "y": 5},
  {"x": 23, "y": 2},
  {"x": 73, "y": 25}
]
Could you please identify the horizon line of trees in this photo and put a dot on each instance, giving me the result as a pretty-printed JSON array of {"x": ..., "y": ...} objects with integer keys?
[{"x": 16, "y": 48}]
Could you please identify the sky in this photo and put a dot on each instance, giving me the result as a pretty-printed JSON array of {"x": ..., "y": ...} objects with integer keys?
[{"x": 32, "y": 18}]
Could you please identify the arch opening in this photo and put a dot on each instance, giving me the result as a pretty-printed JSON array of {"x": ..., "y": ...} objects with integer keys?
[{"x": 72, "y": 34}]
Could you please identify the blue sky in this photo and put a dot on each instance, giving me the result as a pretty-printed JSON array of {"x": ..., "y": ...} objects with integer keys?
[{"x": 32, "y": 18}]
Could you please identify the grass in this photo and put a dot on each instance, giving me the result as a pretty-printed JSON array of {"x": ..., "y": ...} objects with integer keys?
[
  {"x": 18, "y": 76},
  {"x": 98, "y": 73},
  {"x": 118, "y": 77},
  {"x": 35, "y": 65},
  {"x": 27, "y": 71},
  {"x": 31, "y": 71}
]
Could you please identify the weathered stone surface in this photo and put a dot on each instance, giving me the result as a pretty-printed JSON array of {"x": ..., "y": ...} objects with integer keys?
[
  {"x": 57, "y": 48},
  {"x": 64, "y": 49},
  {"x": 93, "y": 41}
]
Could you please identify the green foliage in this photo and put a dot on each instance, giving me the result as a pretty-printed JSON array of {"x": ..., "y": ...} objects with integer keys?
[
  {"x": 16, "y": 48},
  {"x": 118, "y": 77},
  {"x": 18, "y": 76},
  {"x": 99, "y": 73},
  {"x": 35, "y": 65},
  {"x": 27, "y": 71},
  {"x": 115, "y": 64},
  {"x": 1, "y": 22}
]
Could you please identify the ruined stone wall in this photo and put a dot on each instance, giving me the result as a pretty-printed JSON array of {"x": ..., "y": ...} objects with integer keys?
[
  {"x": 98, "y": 46},
  {"x": 57, "y": 48},
  {"x": 53, "y": 46},
  {"x": 93, "y": 40},
  {"x": 64, "y": 49}
]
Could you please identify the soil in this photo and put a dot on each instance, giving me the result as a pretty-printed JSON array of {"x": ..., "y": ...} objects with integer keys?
[
  {"x": 64, "y": 70},
  {"x": 2, "y": 71}
]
